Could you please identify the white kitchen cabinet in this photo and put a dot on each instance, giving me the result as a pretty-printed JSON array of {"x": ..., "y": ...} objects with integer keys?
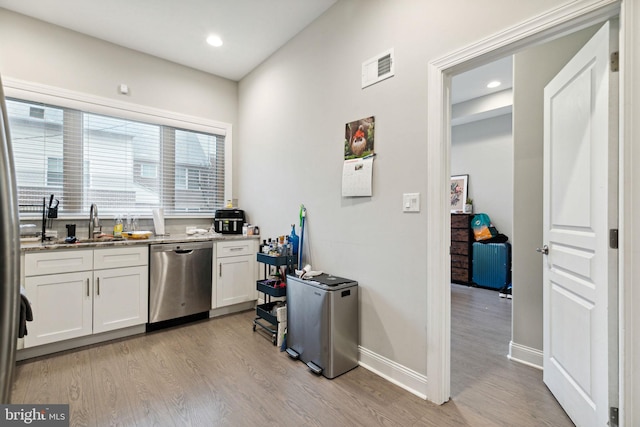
[
  {"x": 62, "y": 304},
  {"x": 83, "y": 301},
  {"x": 120, "y": 291},
  {"x": 62, "y": 307},
  {"x": 235, "y": 272}
]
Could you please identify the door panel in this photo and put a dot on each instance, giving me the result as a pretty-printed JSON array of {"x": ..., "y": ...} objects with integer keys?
[
  {"x": 235, "y": 282},
  {"x": 61, "y": 305},
  {"x": 120, "y": 298},
  {"x": 580, "y": 205}
]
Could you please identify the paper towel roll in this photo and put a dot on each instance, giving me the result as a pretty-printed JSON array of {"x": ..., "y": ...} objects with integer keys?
[{"x": 158, "y": 221}]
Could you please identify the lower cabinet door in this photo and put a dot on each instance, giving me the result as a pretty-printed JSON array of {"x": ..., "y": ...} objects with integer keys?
[
  {"x": 235, "y": 281},
  {"x": 61, "y": 305},
  {"x": 120, "y": 298}
]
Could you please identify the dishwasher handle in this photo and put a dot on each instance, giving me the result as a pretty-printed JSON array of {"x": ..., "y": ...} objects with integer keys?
[{"x": 183, "y": 251}]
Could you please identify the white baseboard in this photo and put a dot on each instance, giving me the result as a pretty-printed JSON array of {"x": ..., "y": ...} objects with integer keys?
[
  {"x": 391, "y": 371},
  {"x": 525, "y": 355}
]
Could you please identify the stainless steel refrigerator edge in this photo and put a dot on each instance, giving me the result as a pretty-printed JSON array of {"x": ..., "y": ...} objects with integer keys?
[
  {"x": 9, "y": 258},
  {"x": 323, "y": 325}
]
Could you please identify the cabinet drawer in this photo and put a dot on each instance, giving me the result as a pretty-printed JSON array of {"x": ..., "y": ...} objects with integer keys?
[
  {"x": 54, "y": 262},
  {"x": 235, "y": 248},
  {"x": 460, "y": 275},
  {"x": 460, "y": 220},
  {"x": 460, "y": 235},
  {"x": 120, "y": 257},
  {"x": 460, "y": 261},
  {"x": 460, "y": 248}
]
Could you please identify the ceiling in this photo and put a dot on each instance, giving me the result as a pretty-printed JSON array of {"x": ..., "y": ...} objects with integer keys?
[
  {"x": 177, "y": 30},
  {"x": 473, "y": 83},
  {"x": 251, "y": 30}
]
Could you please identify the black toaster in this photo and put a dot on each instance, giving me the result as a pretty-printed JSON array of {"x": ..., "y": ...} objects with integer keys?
[{"x": 229, "y": 221}]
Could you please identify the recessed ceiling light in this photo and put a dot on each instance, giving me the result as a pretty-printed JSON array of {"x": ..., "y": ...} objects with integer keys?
[
  {"x": 493, "y": 84},
  {"x": 214, "y": 41}
]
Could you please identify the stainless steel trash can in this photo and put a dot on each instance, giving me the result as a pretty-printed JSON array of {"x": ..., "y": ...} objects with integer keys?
[{"x": 322, "y": 323}]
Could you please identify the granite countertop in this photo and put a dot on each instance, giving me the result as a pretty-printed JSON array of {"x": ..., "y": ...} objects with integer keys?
[{"x": 173, "y": 238}]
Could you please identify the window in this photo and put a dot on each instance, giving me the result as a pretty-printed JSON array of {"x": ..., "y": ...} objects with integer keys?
[
  {"x": 187, "y": 179},
  {"x": 148, "y": 170},
  {"x": 122, "y": 165},
  {"x": 54, "y": 172},
  {"x": 193, "y": 179}
]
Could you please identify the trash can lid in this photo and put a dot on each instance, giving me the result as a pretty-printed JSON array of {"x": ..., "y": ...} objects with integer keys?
[{"x": 329, "y": 280}]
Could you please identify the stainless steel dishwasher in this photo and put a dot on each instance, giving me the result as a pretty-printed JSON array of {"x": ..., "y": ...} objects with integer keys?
[{"x": 180, "y": 280}]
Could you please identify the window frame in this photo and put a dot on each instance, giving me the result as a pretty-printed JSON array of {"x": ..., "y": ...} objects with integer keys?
[{"x": 33, "y": 92}]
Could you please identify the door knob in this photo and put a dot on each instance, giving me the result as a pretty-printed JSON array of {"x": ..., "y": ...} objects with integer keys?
[{"x": 543, "y": 250}]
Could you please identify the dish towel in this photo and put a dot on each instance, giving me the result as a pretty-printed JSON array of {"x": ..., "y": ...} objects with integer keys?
[{"x": 26, "y": 315}]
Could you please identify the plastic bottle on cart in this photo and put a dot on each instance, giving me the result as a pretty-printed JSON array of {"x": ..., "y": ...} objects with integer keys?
[
  {"x": 293, "y": 238},
  {"x": 289, "y": 247}
]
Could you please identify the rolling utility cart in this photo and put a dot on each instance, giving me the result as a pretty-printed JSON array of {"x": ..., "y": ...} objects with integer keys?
[{"x": 266, "y": 313}]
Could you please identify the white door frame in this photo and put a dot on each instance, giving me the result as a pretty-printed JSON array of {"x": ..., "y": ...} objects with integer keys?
[{"x": 553, "y": 24}]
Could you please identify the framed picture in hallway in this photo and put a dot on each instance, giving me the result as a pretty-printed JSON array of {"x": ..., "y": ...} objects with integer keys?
[{"x": 459, "y": 187}]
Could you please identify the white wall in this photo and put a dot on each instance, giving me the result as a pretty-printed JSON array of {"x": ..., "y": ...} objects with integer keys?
[
  {"x": 37, "y": 52},
  {"x": 293, "y": 109},
  {"x": 484, "y": 151}
]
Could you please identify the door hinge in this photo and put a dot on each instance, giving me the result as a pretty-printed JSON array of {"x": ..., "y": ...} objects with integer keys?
[
  {"x": 614, "y": 62},
  {"x": 613, "y": 417},
  {"x": 613, "y": 238}
]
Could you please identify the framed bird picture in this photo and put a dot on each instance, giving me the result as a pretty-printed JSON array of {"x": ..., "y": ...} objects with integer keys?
[{"x": 359, "y": 138}]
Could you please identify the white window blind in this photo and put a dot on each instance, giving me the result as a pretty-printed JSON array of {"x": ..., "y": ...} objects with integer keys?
[{"x": 122, "y": 165}]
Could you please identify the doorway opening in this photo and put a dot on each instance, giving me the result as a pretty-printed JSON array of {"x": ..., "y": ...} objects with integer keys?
[
  {"x": 562, "y": 21},
  {"x": 481, "y": 151}
]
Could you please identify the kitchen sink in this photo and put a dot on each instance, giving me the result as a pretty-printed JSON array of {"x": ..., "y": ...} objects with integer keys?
[
  {"x": 101, "y": 239},
  {"x": 94, "y": 240}
]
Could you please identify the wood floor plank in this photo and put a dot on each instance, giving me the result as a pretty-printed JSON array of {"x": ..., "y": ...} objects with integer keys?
[{"x": 218, "y": 372}]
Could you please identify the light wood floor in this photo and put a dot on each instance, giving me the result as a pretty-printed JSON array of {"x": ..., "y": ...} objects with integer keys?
[
  {"x": 485, "y": 385},
  {"x": 219, "y": 373}
]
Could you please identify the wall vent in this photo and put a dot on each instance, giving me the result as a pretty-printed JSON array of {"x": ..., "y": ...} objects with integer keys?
[{"x": 378, "y": 68}]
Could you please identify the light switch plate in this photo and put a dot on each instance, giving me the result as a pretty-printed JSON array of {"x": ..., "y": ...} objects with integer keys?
[{"x": 411, "y": 202}]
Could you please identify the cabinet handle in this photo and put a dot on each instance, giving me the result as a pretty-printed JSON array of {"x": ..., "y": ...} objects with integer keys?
[
  {"x": 88, "y": 287},
  {"x": 220, "y": 274},
  {"x": 238, "y": 248},
  {"x": 98, "y": 285}
]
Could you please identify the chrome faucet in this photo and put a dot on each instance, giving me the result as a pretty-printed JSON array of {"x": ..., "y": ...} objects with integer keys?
[{"x": 94, "y": 221}]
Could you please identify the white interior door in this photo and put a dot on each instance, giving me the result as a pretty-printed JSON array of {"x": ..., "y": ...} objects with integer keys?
[{"x": 580, "y": 207}]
